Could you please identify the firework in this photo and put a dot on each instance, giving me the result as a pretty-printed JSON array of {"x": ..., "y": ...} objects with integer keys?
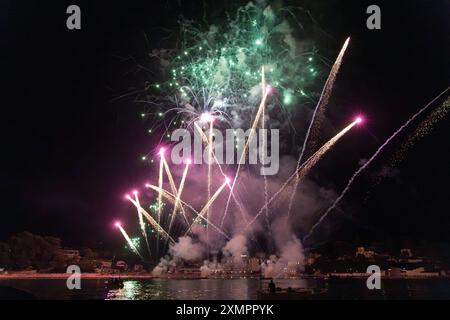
[
  {"x": 306, "y": 167},
  {"x": 265, "y": 91},
  {"x": 425, "y": 127},
  {"x": 237, "y": 201},
  {"x": 156, "y": 226},
  {"x": 160, "y": 183},
  {"x": 266, "y": 186},
  {"x": 178, "y": 195},
  {"x": 171, "y": 182},
  {"x": 211, "y": 201},
  {"x": 249, "y": 74},
  {"x": 141, "y": 220},
  {"x": 172, "y": 198},
  {"x": 318, "y": 114},
  {"x": 422, "y": 130},
  {"x": 210, "y": 119},
  {"x": 217, "y": 71},
  {"x": 127, "y": 238},
  {"x": 222, "y": 77},
  {"x": 311, "y": 162},
  {"x": 368, "y": 162},
  {"x": 169, "y": 174}
]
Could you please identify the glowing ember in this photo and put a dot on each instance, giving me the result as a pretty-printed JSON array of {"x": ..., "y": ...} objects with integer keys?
[
  {"x": 206, "y": 117},
  {"x": 359, "y": 120}
]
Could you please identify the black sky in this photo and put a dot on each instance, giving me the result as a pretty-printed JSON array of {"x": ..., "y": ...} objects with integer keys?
[{"x": 70, "y": 150}]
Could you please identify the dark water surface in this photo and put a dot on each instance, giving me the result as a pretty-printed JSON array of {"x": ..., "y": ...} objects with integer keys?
[{"x": 213, "y": 289}]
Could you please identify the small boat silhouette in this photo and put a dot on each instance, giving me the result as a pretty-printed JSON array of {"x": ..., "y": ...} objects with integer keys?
[{"x": 114, "y": 283}]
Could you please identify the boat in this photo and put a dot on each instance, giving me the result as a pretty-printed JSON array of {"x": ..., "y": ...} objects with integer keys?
[{"x": 114, "y": 283}]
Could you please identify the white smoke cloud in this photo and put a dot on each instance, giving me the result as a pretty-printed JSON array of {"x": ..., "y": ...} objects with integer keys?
[
  {"x": 291, "y": 259},
  {"x": 310, "y": 199},
  {"x": 209, "y": 266},
  {"x": 164, "y": 265},
  {"x": 235, "y": 248},
  {"x": 185, "y": 249}
]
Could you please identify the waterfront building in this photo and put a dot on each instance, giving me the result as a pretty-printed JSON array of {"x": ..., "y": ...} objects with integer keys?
[{"x": 70, "y": 254}]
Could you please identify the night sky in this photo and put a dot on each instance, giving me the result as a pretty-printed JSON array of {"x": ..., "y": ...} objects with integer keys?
[{"x": 71, "y": 148}]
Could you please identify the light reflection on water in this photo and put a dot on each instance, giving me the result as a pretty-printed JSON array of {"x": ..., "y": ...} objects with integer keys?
[
  {"x": 203, "y": 289},
  {"x": 228, "y": 289}
]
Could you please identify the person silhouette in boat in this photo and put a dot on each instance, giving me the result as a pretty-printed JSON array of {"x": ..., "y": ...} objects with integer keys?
[{"x": 272, "y": 287}]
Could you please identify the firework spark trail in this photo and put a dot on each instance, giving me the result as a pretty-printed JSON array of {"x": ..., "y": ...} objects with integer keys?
[
  {"x": 206, "y": 142},
  {"x": 242, "y": 209},
  {"x": 159, "y": 230},
  {"x": 210, "y": 202},
  {"x": 160, "y": 183},
  {"x": 423, "y": 129},
  {"x": 174, "y": 191},
  {"x": 210, "y": 146},
  {"x": 306, "y": 167},
  {"x": 141, "y": 222},
  {"x": 365, "y": 165},
  {"x": 172, "y": 184},
  {"x": 265, "y": 92},
  {"x": 202, "y": 73},
  {"x": 180, "y": 191},
  {"x": 266, "y": 193},
  {"x": 221, "y": 74},
  {"x": 127, "y": 238},
  {"x": 318, "y": 113},
  {"x": 311, "y": 162},
  {"x": 171, "y": 197},
  {"x": 169, "y": 175}
]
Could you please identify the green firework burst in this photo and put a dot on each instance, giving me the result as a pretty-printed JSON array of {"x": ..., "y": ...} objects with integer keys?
[{"x": 218, "y": 69}]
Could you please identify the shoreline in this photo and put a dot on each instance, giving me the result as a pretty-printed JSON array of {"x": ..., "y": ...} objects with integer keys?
[
  {"x": 134, "y": 276},
  {"x": 51, "y": 276}
]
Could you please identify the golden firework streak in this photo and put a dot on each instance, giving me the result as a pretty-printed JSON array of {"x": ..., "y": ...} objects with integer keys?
[
  {"x": 318, "y": 114},
  {"x": 238, "y": 203},
  {"x": 265, "y": 92},
  {"x": 304, "y": 169},
  {"x": 141, "y": 222},
  {"x": 171, "y": 197},
  {"x": 127, "y": 238},
  {"x": 153, "y": 222}
]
